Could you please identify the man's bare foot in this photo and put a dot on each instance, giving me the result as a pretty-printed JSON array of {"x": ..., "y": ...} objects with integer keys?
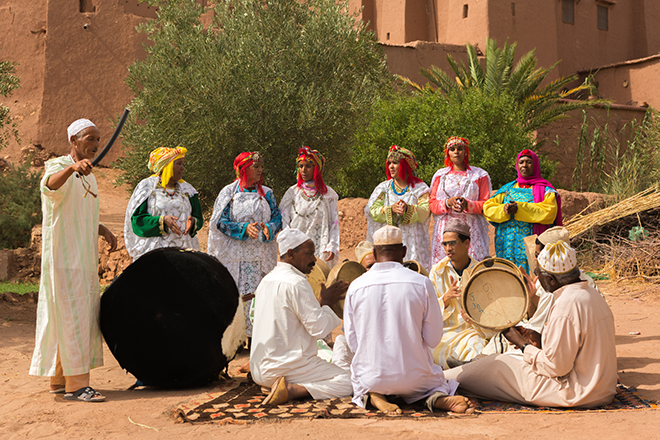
[
  {"x": 457, "y": 404},
  {"x": 380, "y": 402},
  {"x": 279, "y": 393}
]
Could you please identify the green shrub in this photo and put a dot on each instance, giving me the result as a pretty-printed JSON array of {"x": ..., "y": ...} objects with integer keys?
[
  {"x": 266, "y": 75},
  {"x": 20, "y": 205},
  {"x": 423, "y": 122},
  {"x": 606, "y": 166}
]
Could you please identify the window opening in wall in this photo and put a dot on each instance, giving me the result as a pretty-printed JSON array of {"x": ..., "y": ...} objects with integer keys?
[
  {"x": 513, "y": 9},
  {"x": 388, "y": 35},
  {"x": 87, "y": 6},
  {"x": 465, "y": 11},
  {"x": 602, "y": 17},
  {"x": 568, "y": 11}
]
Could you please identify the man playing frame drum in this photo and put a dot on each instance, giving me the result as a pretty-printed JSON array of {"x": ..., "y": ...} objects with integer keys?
[
  {"x": 575, "y": 366},
  {"x": 462, "y": 340}
]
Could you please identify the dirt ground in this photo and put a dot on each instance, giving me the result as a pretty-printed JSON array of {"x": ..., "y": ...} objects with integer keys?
[{"x": 27, "y": 410}]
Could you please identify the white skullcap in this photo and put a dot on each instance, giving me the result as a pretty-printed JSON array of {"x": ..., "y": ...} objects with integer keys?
[
  {"x": 363, "y": 249},
  {"x": 558, "y": 258},
  {"x": 78, "y": 126},
  {"x": 554, "y": 234},
  {"x": 290, "y": 238},
  {"x": 388, "y": 235}
]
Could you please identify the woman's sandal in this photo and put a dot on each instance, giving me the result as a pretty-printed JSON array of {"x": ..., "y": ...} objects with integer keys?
[
  {"x": 61, "y": 390},
  {"x": 86, "y": 394}
]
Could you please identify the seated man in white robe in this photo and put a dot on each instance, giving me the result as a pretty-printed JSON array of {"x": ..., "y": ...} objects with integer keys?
[
  {"x": 575, "y": 362},
  {"x": 288, "y": 321},
  {"x": 392, "y": 320},
  {"x": 540, "y": 300}
]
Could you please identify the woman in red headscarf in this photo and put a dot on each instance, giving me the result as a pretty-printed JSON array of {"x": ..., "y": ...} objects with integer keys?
[
  {"x": 243, "y": 226},
  {"x": 403, "y": 201},
  {"x": 311, "y": 206},
  {"x": 528, "y": 205},
  {"x": 459, "y": 191}
]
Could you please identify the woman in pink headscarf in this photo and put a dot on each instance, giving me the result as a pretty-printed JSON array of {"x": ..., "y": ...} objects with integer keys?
[{"x": 528, "y": 205}]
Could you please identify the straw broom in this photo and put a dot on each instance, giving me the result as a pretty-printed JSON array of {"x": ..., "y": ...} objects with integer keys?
[{"x": 643, "y": 201}]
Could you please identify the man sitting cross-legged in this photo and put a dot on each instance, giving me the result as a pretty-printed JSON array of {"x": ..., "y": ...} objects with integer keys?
[
  {"x": 288, "y": 321},
  {"x": 462, "y": 340},
  {"x": 575, "y": 365},
  {"x": 391, "y": 320}
]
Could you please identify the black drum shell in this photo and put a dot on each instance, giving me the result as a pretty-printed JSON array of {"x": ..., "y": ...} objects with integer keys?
[{"x": 163, "y": 318}]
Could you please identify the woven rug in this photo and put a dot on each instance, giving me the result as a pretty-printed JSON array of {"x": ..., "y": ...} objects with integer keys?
[{"x": 239, "y": 401}]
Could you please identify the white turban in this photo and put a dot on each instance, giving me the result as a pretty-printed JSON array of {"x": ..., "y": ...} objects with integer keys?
[
  {"x": 388, "y": 235},
  {"x": 78, "y": 126},
  {"x": 558, "y": 258},
  {"x": 554, "y": 234},
  {"x": 290, "y": 238}
]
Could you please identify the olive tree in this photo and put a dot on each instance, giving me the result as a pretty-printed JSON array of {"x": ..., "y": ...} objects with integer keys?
[{"x": 258, "y": 75}]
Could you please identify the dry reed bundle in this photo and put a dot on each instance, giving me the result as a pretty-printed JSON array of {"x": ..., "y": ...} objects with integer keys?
[
  {"x": 622, "y": 259},
  {"x": 643, "y": 201}
]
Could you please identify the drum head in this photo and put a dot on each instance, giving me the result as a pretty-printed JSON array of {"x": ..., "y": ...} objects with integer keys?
[
  {"x": 415, "y": 267},
  {"x": 495, "y": 298},
  {"x": 164, "y": 317},
  {"x": 347, "y": 271},
  {"x": 316, "y": 278},
  {"x": 323, "y": 266}
]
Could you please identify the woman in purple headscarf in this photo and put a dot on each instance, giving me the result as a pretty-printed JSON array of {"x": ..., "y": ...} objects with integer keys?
[{"x": 528, "y": 205}]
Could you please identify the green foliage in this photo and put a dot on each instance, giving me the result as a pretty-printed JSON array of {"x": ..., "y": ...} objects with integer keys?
[
  {"x": 521, "y": 82},
  {"x": 266, "y": 75},
  {"x": 20, "y": 205},
  {"x": 606, "y": 166},
  {"x": 8, "y": 83},
  {"x": 423, "y": 123},
  {"x": 20, "y": 288}
]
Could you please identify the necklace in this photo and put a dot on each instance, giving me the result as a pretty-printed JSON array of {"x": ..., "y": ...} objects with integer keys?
[
  {"x": 457, "y": 183},
  {"x": 394, "y": 187},
  {"x": 172, "y": 192}
]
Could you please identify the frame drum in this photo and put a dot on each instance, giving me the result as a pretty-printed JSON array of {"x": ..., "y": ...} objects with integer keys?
[
  {"x": 347, "y": 271},
  {"x": 415, "y": 267},
  {"x": 495, "y": 294},
  {"x": 316, "y": 277}
]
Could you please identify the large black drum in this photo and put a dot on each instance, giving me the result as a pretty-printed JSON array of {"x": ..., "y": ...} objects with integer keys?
[{"x": 164, "y": 317}]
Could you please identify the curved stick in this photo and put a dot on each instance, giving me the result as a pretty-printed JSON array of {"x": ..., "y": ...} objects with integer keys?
[{"x": 112, "y": 140}]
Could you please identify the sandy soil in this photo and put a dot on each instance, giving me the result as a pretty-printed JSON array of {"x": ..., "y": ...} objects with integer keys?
[{"x": 27, "y": 410}]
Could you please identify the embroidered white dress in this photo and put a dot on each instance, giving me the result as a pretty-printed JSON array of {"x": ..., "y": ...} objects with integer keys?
[
  {"x": 473, "y": 185},
  {"x": 317, "y": 216},
  {"x": 160, "y": 203},
  {"x": 69, "y": 300},
  {"x": 247, "y": 260},
  {"x": 414, "y": 224}
]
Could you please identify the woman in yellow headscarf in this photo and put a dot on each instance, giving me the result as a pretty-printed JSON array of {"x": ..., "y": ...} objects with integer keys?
[{"x": 164, "y": 210}]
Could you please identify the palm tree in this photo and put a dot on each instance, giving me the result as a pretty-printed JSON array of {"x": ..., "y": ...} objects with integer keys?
[{"x": 521, "y": 82}]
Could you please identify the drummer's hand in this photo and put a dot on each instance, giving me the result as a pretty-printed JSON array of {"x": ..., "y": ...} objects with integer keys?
[
  {"x": 466, "y": 317},
  {"x": 329, "y": 256},
  {"x": 248, "y": 297},
  {"x": 253, "y": 230},
  {"x": 189, "y": 225},
  {"x": 454, "y": 291},
  {"x": 333, "y": 294},
  {"x": 171, "y": 222},
  {"x": 266, "y": 230},
  {"x": 514, "y": 336},
  {"x": 530, "y": 336},
  {"x": 529, "y": 281}
]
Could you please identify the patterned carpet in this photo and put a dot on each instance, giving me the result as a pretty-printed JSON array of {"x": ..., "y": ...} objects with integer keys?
[{"x": 238, "y": 401}]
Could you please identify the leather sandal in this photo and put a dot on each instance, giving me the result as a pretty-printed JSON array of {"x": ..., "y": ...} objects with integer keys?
[{"x": 86, "y": 394}]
